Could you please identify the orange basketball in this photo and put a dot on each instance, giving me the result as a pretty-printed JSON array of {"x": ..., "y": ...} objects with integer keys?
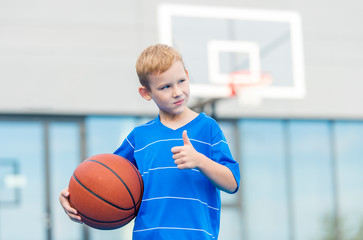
[{"x": 106, "y": 190}]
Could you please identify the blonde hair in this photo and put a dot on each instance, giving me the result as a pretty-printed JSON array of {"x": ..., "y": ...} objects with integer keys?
[{"x": 156, "y": 59}]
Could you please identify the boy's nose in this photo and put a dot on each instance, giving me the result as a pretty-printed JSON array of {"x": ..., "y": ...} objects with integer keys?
[{"x": 177, "y": 92}]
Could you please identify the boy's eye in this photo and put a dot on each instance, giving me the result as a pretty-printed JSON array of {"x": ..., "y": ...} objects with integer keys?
[
  {"x": 164, "y": 87},
  {"x": 181, "y": 81}
]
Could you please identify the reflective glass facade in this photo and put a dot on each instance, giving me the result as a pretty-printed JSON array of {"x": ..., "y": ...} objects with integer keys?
[{"x": 301, "y": 179}]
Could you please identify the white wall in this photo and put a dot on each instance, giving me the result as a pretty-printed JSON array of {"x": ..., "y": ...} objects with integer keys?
[{"x": 77, "y": 57}]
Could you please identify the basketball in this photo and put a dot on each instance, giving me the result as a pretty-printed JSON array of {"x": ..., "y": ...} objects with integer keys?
[{"x": 106, "y": 190}]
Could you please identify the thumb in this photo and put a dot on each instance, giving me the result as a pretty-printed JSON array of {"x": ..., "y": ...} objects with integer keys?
[{"x": 186, "y": 138}]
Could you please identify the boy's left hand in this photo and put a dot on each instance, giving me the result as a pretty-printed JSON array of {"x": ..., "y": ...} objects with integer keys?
[{"x": 186, "y": 157}]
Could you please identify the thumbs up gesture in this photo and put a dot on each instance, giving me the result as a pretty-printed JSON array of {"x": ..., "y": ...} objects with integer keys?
[{"x": 186, "y": 157}]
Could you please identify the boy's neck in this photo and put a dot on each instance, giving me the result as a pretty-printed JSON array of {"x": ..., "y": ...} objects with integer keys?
[{"x": 178, "y": 120}]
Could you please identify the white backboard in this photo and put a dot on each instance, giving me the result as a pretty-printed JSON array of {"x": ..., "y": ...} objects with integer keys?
[{"x": 216, "y": 41}]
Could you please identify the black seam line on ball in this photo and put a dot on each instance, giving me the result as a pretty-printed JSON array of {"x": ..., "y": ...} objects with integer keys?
[
  {"x": 140, "y": 182},
  {"x": 132, "y": 197},
  {"x": 100, "y": 196},
  {"x": 99, "y": 221}
]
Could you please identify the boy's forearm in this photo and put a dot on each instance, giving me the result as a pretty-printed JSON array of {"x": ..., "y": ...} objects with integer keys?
[{"x": 218, "y": 174}]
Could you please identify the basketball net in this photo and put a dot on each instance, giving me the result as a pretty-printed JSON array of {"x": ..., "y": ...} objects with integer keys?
[{"x": 247, "y": 86}]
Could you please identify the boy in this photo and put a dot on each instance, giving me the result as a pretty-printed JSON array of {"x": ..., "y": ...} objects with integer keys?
[{"x": 182, "y": 171}]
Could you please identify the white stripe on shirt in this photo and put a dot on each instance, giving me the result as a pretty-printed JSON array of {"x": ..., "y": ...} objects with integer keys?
[
  {"x": 163, "y": 168},
  {"x": 174, "y": 228},
  {"x": 177, "y": 139},
  {"x": 182, "y": 198},
  {"x": 163, "y": 140},
  {"x": 219, "y": 143},
  {"x": 130, "y": 143},
  {"x": 159, "y": 168}
]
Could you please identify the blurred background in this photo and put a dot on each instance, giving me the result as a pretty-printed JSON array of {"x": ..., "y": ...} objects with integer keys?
[{"x": 68, "y": 90}]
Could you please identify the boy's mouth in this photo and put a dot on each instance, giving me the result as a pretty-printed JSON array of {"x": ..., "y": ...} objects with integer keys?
[{"x": 179, "y": 102}]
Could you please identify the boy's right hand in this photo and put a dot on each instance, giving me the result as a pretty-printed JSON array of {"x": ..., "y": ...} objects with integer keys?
[{"x": 71, "y": 212}]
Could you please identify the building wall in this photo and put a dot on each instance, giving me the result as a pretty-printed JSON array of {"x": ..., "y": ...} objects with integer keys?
[{"x": 77, "y": 57}]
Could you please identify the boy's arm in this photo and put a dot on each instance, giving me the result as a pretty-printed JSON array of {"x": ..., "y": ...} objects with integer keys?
[{"x": 186, "y": 157}]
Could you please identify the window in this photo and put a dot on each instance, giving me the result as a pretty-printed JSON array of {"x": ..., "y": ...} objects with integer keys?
[{"x": 300, "y": 179}]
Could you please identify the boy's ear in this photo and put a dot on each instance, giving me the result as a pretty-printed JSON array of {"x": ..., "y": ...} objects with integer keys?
[
  {"x": 145, "y": 93},
  {"x": 186, "y": 71}
]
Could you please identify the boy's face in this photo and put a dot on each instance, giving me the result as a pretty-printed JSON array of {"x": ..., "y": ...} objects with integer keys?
[{"x": 169, "y": 90}]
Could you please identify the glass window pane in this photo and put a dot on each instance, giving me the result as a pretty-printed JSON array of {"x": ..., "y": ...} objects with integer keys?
[
  {"x": 349, "y": 142},
  {"x": 312, "y": 182},
  {"x": 23, "y": 142},
  {"x": 229, "y": 131},
  {"x": 64, "y": 158},
  {"x": 105, "y": 134},
  {"x": 263, "y": 179},
  {"x": 230, "y": 224},
  {"x": 230, "y": 227}
]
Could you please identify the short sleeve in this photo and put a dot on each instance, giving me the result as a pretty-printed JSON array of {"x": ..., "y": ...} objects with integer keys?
[
  {"x": 127, "y": 148},
  {"x": 222, "y": 154}
]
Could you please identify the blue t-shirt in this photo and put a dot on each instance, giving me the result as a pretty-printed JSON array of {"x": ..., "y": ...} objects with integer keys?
[{"x": 177, "y": 204}]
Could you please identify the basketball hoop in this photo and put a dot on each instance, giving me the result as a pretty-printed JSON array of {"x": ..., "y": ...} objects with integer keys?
[{"x": 246, "y": 85}]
